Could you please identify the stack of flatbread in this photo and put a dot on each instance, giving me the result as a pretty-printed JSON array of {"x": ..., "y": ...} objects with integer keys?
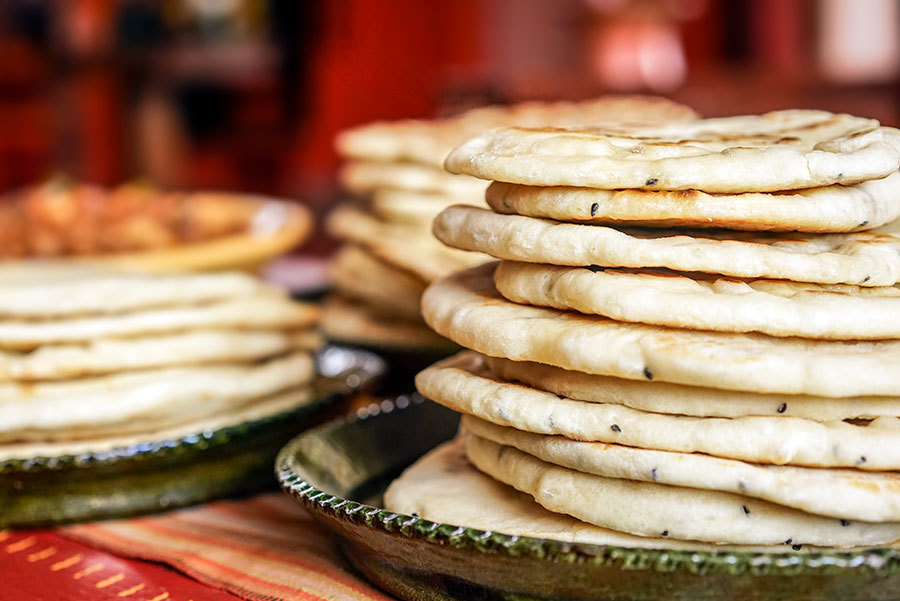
[
  {"x": 94, "y": 360},
  {"x": 395, "y": 168},
  {"x": 693, "y": 335}
]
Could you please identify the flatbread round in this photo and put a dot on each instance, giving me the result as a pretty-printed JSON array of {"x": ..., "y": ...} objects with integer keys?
[
  {"x": 413, "y": 208},
  {"x": 782, "y": 150},
  {"x": 463, "y": 385},
  {"x": 364, "y": 177},
  {"x": 407, "y": 247},
  {"x": 269, "y": 311},
  {"x": 840, "y": 493},
  {"x": 139, "y": 401},
  {"x": 678, "y": 399},
  {"x": 353, "y": 322},
  {"x": 287, "y": 400},
  {"x": 467, "y": 309},
  {"x": 445, "y": 488},
  {"x": 429, "y": 141},
  {"x": 650, "y": 509},
  {"x": 698, "y": 302},
  {"x": 73, "y": 291},
  {"x": 837, "y": 208},
  {"x": 862, "y": 259},
  {"x": 359, "y": 275},
  {"x": 108, "y": 355}
]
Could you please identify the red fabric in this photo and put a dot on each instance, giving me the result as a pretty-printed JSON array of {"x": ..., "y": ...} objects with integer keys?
[{"x": 40, "y": 565}]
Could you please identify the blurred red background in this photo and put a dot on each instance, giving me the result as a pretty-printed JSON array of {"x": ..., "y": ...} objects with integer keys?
[{"x": 248, "y": 94}]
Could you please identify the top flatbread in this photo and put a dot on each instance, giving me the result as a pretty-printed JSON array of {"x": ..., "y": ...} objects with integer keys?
[
  {"x": 782, "y": 150},
  {"x": 429, "y": 141},
  {"x": 837, "y": 208}
]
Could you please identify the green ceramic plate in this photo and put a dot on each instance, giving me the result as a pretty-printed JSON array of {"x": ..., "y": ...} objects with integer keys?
[
  {"x": 161, "y": 474},
  {"x": 339, "y": 470}
]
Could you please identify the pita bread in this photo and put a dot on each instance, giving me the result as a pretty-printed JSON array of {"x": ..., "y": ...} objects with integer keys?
[
  {"x": 413, "y": 208},
  {"x": 429, "y": 141},
  {"x": 862, "y": 259},
  {"x": 467, "y": 309},
  {"x": 650, "y": 509},
  {"x": 287, "y": 400},
  {"x": 354, "y": 323},
  {"x": 782, "y": 150},
  {"x": 359, "y": 275},
  {"x": 839, "y": 493},
  {"x": 108, "y": 355},
  {"x": 445, "y": 488},
  {"x": 407, "y": 247},
  {"x": 463, "y": 385},
  {"x": 363, "y": 178},
  {"x": 677, "y": 399},
  {"x": 697, "y": 302},
  {"x": 73, "y": 291},
  {"x": 270, "y": 311},
  {"x": 138, "y": 401},
  {"x": 837, "y": 208}
]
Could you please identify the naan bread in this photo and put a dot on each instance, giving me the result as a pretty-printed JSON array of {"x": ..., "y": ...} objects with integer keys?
[
  {"x": 462, "y": 384},
  {"x": 650, "y": 509},
  {"x": 356, "y": 323},
  {"x": 77, "y": 291},
  {"x": 839, "y": 493},
  {"x": 108, "y": 355},
  {"x": 467, "y": 309},
  {"x": 445, "y": 488},
  {"x": 413, "y": 208},
  {"x": 359, "y": 275},
  {"x": 429, "y": 141},
  {"x": 261, "y": 312},
  {"x": 407, "y": 247},
  {"x": 287, "y": 400},
  {"x": 782, "y": 150},
  {"x": 698, "y": 302},
  {"x": 142, "y": 400},
  {"x": 678, "y": 399},
  {"x": 363, "y": 178},
  {"x": 836, "y": 208},
  {"x": 861, "y": 259}
]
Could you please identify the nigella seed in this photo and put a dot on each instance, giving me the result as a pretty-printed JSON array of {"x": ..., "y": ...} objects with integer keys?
[
  {"x": 746, "y": 509},
  {"x": 665, "y": 533},
  {"x": 415, "y": 514},
  {"x": 615, "y": 428},
  {"x": 594, "y": 208},
  {"x": 796, "y": 547},
  {"x": 866, "y": 279},
  {"x": 864, "y": 223},
  {"x": 788, "y": 541},
  {"x": 648, "y": 374},
  {"x": 782, "y": 408},
  {"x": 653, "y": 474},
  {"x": 845, "y": 523},
  {"x": 862, "y": 459},
  {"x": 650, "y": 182}
]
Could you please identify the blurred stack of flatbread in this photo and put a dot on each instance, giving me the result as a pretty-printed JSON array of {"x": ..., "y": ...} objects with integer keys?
[
  {"x": 395, "y": 168},
  {"x": 92, "y": 360},
  {"x": 693, "y": 337}
]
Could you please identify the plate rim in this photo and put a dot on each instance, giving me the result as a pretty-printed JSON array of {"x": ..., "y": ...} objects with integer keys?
[{"x": 880, "y": 560}]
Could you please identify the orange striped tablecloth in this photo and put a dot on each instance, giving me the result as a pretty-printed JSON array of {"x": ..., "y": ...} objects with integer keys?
[{"x": 265, "y": 548}]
